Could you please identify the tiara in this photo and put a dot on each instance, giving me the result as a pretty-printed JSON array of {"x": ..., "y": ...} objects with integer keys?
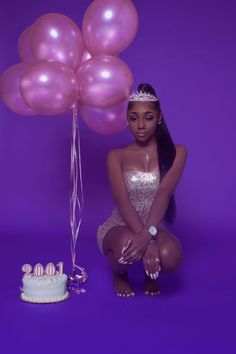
[{"x": 142, "y": 96}]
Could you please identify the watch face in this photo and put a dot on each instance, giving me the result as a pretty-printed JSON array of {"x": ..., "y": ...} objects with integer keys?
[{"x": 152, "y": 230}]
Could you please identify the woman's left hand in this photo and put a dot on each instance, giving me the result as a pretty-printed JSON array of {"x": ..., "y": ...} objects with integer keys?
[{"x": 151, "y": 260}]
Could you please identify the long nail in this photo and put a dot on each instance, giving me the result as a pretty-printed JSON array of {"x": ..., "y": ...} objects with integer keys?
[
  {"x": 147, "y": 273},
  {"x": 120, "y": 259},
  {"x": 157, "y": 273},
  {"x": 122, "y": 262}
]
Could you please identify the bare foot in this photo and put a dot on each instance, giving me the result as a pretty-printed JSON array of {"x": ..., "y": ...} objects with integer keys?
[
  {"x": 122, "y": 286},
  {"x": 151, "y": 286}
]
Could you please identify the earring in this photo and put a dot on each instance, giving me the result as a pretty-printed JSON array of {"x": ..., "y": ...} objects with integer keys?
[{"x": 159, "y": 123}]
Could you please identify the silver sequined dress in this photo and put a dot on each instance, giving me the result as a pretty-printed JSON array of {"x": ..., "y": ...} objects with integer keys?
[{"x": 141, "y": 187}]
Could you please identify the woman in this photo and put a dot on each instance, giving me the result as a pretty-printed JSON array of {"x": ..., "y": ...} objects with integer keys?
[{"x": 143, "y": 177}]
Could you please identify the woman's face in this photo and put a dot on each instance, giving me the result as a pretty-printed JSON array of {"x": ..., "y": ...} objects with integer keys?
[{"x": 143, "y": 120}]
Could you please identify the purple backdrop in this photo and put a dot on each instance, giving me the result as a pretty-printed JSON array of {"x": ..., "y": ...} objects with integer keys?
[{"x": 187, "y": 51}]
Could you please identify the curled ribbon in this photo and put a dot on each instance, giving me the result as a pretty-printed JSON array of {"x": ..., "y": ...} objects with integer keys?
[{"x": 76, "y": 201}]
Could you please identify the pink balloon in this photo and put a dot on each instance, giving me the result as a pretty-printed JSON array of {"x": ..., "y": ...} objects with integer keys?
[
  {"x": 56, "y": 37},
  {"x": 109, "y": 26},
  {"x": 86, "y": 56},
  {"x": 107, "y": 120},
  {"x": 68, "y": 112},
  {"x": 49, "y": 87},
  {"x": 24, "y": 46},
  {"x": 104, "y": 81},
  {"x": 10, "y": 90}
]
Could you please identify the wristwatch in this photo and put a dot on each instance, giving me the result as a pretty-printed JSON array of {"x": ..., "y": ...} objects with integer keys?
[{"x": 152, "y": 230}]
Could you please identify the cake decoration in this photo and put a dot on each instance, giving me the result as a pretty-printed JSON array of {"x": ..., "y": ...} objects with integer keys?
[
  {"x": 39, "y": 271},
  {"x": 27, "y": 268}
]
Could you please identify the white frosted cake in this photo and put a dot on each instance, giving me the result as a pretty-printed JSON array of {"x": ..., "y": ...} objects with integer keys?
[{"x": 44, "y": 288}]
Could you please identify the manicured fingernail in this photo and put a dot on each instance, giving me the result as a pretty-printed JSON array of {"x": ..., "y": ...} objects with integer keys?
[
  {"x": 147, "y": 273},
  {"x": 122, "y": 262},
  {"x": 120, "y": 259}
]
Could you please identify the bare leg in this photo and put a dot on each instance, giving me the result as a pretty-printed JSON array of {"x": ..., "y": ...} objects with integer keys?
[{"x": 113, "y": 243}]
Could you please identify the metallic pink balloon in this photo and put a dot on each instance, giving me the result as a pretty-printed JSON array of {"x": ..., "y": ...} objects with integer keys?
[
  {"x": 10, "y": 90},
  {"x": 68, "y": 112},
  {"x": 86, "y": 56},
  {"x": 49, "y": 87},
  {"x": 107, "y": 120},
  {"x": 109, "y": 26},
  {"x": 56, "y": 37},
  {"x": 104, "y": 81},
  {"x": 24, "y": 46}
]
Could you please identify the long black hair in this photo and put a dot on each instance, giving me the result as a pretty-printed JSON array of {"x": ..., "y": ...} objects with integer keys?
[{"x": 165, "y": 147}]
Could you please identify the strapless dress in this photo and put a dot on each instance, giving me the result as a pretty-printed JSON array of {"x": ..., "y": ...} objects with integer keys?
[{"x": 141, "y": 187}]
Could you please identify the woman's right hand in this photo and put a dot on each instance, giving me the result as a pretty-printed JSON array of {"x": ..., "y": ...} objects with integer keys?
[{"x": 135, "y": 247}]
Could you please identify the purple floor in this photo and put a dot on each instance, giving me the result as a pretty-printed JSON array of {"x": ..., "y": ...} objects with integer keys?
[{"x": 194, "y": 314}]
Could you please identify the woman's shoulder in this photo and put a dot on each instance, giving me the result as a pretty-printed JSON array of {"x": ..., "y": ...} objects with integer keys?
[
  {"x": 181, "y": 147},
  {"x": 114, "y": 154},
  {"x": 181, "y": 151},
  {"x": 118, "y": 151}
]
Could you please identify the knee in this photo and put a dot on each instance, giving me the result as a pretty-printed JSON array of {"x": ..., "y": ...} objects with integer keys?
[
  {"x": 114, "y": 243},
  {"x": 171, "y": 255}
]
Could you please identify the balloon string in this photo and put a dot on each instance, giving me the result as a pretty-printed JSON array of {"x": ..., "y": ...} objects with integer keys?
[{"x": 76, "y": 204}]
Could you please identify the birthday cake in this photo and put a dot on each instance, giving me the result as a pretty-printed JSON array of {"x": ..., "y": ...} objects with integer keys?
[{"x": 44, "y": 286}]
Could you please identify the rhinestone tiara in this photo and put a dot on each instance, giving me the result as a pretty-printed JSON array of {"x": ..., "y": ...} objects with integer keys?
[{"x": 142, "y": 96}]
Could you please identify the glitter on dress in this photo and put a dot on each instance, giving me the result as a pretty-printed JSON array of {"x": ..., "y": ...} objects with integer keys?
[{"x": 141, "y": 187}]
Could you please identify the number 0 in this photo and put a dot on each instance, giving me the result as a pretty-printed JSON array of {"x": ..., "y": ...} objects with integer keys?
[
  {"x": 50, "y": 269},
  {"x": 38, "y": 270}
]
